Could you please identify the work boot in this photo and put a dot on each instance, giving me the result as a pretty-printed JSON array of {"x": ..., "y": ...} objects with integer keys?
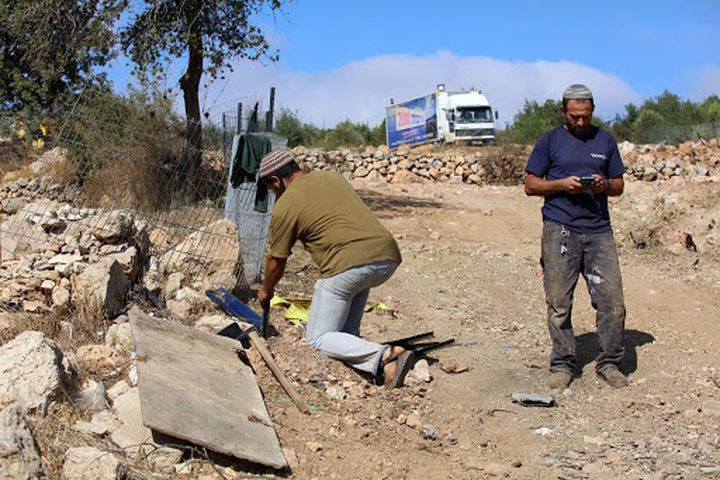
[
  {"x": 559, "y": 380},
  {"x": 613, "y": 377}
]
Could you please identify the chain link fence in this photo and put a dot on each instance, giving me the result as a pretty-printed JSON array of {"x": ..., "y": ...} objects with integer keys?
[
  {"x": 113, "y": 178},
  {"x": 679, "y": 134}
]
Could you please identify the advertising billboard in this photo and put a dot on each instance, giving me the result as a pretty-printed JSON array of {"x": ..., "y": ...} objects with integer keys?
[{"x": 411, "y": 122}]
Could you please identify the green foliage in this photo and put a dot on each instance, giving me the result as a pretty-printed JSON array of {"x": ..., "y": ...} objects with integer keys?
[
  {"x": 649, "y": 119},
  {"x": 532, "y": 121},
  {"x": 213, "y": 136},
  {"x": 710, "y": 109},
  {"x": 378, "y": 135},
  {"x": 289, "y": 126},
  {"x": 108, "y": 130},
  {"x": 209, "y": 34},
  {"x": 673, "y": 110},
  {"x": 346, "y": 134},
  {"x": 667, "y": 118},
  {"x": 172, "y": 28},
  {"x": 50, "y": 49},
  {"x": 664, "y": 118}
]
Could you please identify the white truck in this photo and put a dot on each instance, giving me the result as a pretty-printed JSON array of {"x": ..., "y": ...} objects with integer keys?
[{"x": 442, "y": 116}]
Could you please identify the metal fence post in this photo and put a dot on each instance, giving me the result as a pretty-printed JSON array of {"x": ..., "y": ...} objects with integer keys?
[
  {"x": 238, "y": 125},
  {"x": 224, "y": 138},
  {"x": 270, "y": 112}
]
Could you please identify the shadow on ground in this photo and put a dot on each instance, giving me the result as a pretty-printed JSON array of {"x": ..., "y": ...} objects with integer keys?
[
  {"x": 588, "y": 349},
  {"x": 392, "y": 204}
]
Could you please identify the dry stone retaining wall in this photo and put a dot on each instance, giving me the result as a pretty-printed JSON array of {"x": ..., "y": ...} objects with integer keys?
[{"x": 503, "y": 165}]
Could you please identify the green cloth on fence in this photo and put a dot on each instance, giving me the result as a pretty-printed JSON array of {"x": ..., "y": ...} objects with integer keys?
[{"x": 251, "y": 148}]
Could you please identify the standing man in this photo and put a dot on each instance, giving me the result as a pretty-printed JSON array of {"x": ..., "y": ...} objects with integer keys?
[
  {"x": 354, "y": 252},
  {"x": 576, "y": 167}
]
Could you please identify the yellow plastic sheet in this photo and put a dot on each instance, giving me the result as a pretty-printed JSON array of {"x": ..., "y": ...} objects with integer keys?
[
  {"x": 376, "y": 307},
  {"x": 298, "y": 308}
]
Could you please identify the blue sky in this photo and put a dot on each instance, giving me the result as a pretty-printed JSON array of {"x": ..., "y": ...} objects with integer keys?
[{"x": 346, "y": 59}]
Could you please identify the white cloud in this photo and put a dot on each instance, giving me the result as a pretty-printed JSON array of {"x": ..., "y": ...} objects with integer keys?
[
  {"x": 361, "y": 90},
  {"x": 706, "y": 82}
]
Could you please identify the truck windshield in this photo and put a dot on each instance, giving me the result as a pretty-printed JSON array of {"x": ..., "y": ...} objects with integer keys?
[{"x": 474, "y": 114}]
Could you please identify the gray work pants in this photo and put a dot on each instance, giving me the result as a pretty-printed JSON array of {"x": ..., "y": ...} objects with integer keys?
[
  {"x": 336, "y": 310},
  {"x": 566, "y": 254}
]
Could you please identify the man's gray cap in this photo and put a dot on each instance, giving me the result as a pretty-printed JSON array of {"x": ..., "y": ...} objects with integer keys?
[{"x": 577, "y": 92}]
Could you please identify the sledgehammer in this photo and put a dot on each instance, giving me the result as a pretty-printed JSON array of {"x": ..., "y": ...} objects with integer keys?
[{"x": 229, "y": 303}]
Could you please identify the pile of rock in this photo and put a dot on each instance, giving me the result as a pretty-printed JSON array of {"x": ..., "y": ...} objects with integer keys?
[
  {"x": 489, "y": 165},
  {"x": 503, "y": 165},
  {"x": 56, "y": 256},
  {"x": 36, "y": 375},
  {"x": 662, "y": 162},
  {"x": 77, "y": 262}
]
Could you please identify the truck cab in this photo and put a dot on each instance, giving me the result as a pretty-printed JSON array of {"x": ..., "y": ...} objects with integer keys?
[
  {"x": 468, "y": 117},
  {"x": 440, "y": 116}
]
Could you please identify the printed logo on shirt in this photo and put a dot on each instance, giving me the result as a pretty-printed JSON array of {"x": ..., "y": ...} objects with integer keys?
[{"x": 599, "y": 155}]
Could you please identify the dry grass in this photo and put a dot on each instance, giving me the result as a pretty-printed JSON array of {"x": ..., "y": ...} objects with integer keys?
[
  {"x": 64, "y": 172},
  {"x": 14, "y": 155},
  {"x": 54, "y": 434},
  {"x": 146, "y": 178},
  {"x": 48, "y": 323},
  {"x": 137, "y": 184},
  {"x": 86, "y": 321}
]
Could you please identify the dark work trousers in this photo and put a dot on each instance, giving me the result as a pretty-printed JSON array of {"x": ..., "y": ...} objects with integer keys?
[{"x": 566, "y": 254}]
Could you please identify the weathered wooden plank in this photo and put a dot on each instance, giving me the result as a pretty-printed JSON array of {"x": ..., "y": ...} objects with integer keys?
[{"x": 193, "y": 386}]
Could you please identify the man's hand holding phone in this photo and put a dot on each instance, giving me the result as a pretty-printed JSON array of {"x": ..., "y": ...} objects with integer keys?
[{"x": 595, "y": 183}]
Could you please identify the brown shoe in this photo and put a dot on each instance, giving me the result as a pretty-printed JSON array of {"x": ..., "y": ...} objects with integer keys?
[
  {"x": 559, "y": 380},
  {"x": 614, "y": 377}
]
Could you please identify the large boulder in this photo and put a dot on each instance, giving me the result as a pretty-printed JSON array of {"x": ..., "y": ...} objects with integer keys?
[
  {"x": 31, "y": 371},
  {"x": 127, "y": 256},
  {"x": 212, "y": 249},
  {"x": 114, "y": 226},
  {"x": 48, "y": 159},
  {"x": 103, "y": 284}
]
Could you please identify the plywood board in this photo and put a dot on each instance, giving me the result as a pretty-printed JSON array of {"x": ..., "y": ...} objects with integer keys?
[{"x": 193, "y": 386}]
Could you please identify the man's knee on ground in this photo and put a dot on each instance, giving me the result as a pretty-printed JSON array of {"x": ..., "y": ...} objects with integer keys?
[{"x": 313, "y": 340}]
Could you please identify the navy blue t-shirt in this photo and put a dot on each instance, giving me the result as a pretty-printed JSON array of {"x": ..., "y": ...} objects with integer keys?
[{"x": 560, "y": 154}]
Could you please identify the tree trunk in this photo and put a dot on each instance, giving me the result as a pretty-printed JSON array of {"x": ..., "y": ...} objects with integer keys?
[{"x": 190, "y": 84}]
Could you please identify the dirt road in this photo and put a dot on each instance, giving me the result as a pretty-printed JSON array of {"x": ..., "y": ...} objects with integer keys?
[{"x": 471, "y": 272}]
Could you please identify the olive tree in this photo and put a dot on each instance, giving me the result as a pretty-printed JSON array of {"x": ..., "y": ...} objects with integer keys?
[
  {"x": 208, "y": 34},
  {"x": 50, "y": 49}
]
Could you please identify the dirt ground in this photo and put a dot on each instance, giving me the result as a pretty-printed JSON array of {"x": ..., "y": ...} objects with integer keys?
[{"x": 470, "y": 272}]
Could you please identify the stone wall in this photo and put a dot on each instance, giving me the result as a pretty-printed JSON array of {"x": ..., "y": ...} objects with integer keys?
[{"x": 503, "y": 165}]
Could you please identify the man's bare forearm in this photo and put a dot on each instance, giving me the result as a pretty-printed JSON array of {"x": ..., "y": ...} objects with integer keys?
[
  {"x": 274, "y": 270},
  {"x": 617, "y": 186}
]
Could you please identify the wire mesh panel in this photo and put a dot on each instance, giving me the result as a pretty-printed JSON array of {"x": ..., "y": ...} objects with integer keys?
[
  {"x": 679, "y": 133},
  {"x": 252, "y": 225},
  {"x": 115, "y": 177}
]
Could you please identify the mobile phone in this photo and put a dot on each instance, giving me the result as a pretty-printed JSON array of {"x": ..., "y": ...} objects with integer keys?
[{"x": 587, "y": 180}]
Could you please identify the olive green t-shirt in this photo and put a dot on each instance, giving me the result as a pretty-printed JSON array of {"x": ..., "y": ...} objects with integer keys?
[{"x": 335, "y": 226}]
